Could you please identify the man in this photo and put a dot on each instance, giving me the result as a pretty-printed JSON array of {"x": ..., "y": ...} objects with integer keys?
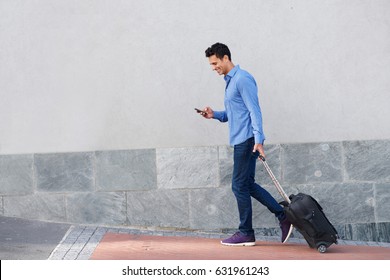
[{"x": 242, "y": 112}]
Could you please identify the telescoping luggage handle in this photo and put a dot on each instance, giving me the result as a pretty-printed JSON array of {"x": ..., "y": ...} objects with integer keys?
[{"x": 277, "y": 185}]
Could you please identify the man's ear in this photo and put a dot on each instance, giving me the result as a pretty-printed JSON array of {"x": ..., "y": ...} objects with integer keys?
[{"x": 225, "y": 58}]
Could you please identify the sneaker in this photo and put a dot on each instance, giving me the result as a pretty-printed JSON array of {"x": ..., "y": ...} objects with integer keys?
[
  {"x": 286, "y": 228},
  {"x": 239, "y": 239}
]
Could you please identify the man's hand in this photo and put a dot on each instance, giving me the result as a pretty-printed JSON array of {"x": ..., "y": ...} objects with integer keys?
[
  {"x": 209, "y": 113},
  {"x": 259, "y": 148}
]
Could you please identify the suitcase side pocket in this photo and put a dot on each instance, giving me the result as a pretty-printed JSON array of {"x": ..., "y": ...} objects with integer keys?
[
  {"x": 319, "y": 222},
  {"x": 322, "y": 222},
  {"x": 300, "y": 220}
]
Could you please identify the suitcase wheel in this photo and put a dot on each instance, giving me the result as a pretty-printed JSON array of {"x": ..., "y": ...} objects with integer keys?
[{"x": 322, "y": 247}]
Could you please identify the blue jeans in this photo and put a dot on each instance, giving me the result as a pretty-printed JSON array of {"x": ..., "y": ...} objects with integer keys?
[{"x": 244, "y": 186}]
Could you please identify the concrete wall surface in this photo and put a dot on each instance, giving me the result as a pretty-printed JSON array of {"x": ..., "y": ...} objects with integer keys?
[
  {"x": 190, "y": 188},
  {"x": 87, "y": 75}
]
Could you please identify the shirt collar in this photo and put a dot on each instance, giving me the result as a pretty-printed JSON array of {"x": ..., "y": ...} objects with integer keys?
[{"x": 231, "y": 73}]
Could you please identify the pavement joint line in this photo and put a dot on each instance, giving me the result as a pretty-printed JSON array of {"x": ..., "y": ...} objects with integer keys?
[{"x": 80, "y": 242}]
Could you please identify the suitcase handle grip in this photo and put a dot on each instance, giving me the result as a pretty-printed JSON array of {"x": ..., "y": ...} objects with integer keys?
[{"x": 261, "y": 157}]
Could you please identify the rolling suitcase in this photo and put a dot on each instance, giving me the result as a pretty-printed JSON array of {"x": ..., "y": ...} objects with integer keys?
[{"x": 306, "y": 215}]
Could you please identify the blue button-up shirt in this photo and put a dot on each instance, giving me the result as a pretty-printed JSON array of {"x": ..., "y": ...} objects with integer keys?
[{"x": 242, "y": 110}]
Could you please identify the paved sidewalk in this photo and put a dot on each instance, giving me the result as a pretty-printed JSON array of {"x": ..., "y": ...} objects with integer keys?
[
  {"x": 88, "y": 242},
  {"x": 22, "y": 239}
]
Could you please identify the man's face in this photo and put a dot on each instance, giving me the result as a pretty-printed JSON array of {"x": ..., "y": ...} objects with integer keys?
[{"x": 219, "y": 65}]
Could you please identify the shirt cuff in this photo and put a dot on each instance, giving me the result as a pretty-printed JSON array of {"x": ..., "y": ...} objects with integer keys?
[
  {"x": 259, "y": 139},
  {"x": 218, "y": 115}
]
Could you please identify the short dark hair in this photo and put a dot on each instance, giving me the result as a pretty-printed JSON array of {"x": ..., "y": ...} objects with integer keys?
[{"x": 219, "y": 50}]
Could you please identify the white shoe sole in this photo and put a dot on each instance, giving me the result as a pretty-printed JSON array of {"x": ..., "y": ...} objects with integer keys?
[
  {"x": 239, "y": 244},
  {"x": 289, "y": 233}
]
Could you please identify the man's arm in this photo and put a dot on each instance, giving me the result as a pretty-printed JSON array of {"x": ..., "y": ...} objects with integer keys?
[
  {"x": 248, "y": 89},
  {"x": 218, "y": 115}
]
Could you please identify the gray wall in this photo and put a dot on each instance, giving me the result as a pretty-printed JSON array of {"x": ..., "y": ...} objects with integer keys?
[
  {"x": 86, "y": 75},
  {"x": 189, "y": 188},
  {"x": 97, "y": 122}
]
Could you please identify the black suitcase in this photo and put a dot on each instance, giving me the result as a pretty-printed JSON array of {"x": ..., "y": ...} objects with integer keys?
[{"x": 306, "y": 215}]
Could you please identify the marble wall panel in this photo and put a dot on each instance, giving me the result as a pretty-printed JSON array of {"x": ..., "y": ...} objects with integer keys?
[
  {"x": 67, "y": 172},
  {"x": 40, "y": 206},
  {"x": 126, "y": 170},
  {"x": 225, "y": 158},
  {"x": 367, "y": 160},
  {"x": 377, "y": 232},
  {"x": 105, "y": 208},
  {"x": 383, "y": 232},
  {"x": 16, "y": 174},
  {"x": 382, "y": 202},
  {"x": 195, "y": 167},
  {"x": 312, "y": 163},
  {"x": 160, "y": 208},
  {"x": 214, "y": 208},
  {"x": 364, "y": 232}
]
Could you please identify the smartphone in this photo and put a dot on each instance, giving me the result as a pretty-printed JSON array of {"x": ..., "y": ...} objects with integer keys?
[{"x": 200, "y": 111}]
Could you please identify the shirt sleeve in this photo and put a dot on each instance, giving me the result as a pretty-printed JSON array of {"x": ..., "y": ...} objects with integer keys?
[
  {"x": 221, "y": 116},
  {"x": 248, "y": 89}
]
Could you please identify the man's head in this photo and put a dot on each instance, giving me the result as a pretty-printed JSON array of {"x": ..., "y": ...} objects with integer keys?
[
  {"x": 219, "y": 50},
  {"x": 220, "y": 58}
]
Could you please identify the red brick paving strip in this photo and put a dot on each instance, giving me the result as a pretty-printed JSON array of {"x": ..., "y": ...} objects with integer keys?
[{"x": 116, "y": 246}]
